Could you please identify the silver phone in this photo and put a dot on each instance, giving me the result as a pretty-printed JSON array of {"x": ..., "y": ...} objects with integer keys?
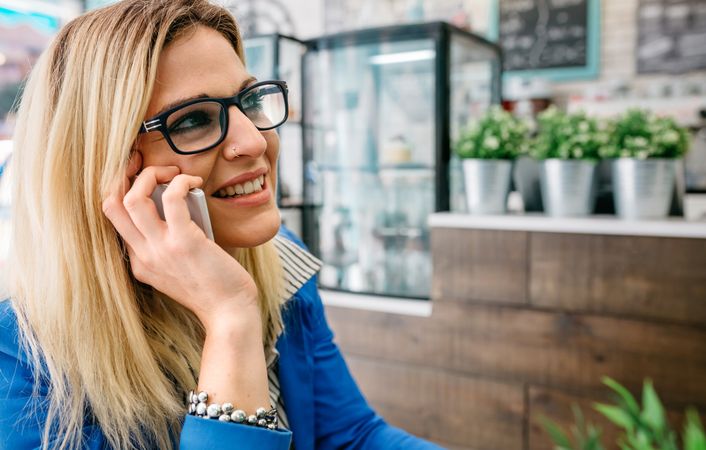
[{"x": 196, "y": 202}]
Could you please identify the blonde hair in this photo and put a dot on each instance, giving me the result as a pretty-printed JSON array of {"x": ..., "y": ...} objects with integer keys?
[{"x": 102, "y": 341}]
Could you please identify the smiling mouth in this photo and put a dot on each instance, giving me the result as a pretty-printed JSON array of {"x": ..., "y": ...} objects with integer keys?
[{"x": 242, "y": 189}]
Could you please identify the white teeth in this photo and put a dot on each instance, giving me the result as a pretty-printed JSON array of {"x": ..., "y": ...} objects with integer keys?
[{"x": 245, "y": 188}]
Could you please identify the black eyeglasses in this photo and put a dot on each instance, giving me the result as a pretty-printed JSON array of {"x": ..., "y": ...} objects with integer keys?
[{"x": 201, "y": 124}]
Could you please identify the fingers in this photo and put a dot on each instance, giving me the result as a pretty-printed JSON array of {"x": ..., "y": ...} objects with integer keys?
[
  {"x": 117, "y": 214},
  {"x": 113, "y": 206},
  {"x": 176, "y": 212},
  {"x": 139, "y": 204}
]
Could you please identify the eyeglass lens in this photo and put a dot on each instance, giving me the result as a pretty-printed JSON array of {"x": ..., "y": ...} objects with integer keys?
[{"x": 199, "y": 126}]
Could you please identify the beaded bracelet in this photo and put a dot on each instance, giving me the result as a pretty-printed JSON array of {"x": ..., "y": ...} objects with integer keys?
[{"x": 199, "y": 406}]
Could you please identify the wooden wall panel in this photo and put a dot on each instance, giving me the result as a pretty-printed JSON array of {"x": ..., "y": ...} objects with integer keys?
[
  {"x": 647, "y": 277},
  {"x": 453, "y": 410},
  {"x": 542, "y": 348},
  {"x": 524, "y": 324},
  {"x": 486, "y": 266}
]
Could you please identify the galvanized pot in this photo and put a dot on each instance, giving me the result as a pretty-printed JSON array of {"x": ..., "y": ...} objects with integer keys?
[
  {"x": 642, "y": 189},
  {"x": 568, "y": 187},
  {"x": 487, "y": 184}
]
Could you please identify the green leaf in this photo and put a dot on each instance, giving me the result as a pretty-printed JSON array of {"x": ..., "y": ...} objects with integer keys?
[
  {"x": 594, "y": 436},
  {"x": 694, "y": 438},
  {"x": 625, "y": 395},
  {"x": 640, "y": 441},
  {"x": 652, "y": 410},
  {"x": 616, "y": 415},
  {"x": 556, "y": 433}
]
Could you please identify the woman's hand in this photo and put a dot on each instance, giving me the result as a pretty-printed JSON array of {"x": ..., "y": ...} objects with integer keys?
[{"x": 173, "y": 255}]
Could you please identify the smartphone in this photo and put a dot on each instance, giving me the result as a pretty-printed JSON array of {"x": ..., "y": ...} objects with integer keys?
[{"x": 195, "y": 201}]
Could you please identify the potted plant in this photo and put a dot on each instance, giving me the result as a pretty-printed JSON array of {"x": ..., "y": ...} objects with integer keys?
[
  {"x": 488, "y": 148},
  {"x": 567, "y": 146},
  {"x": 643, "y": 427},
  {"x": 645, "y": 148}
]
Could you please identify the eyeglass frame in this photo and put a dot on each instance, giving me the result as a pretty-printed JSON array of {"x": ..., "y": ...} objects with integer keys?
[{"x": 159, "y": 122}]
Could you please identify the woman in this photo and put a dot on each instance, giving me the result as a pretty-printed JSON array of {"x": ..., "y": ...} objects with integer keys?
[{"x": 115, "y": 314}]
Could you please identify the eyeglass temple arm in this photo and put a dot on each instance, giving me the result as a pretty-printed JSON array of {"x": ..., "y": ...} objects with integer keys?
[{"x": 150, "y": 125}]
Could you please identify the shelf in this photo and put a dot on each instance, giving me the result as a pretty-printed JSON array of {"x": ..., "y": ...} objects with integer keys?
[
  {"x": 405, "y": 232},
  {"x": 610, "y": 225},
  {"x": 416, "y": 167}
]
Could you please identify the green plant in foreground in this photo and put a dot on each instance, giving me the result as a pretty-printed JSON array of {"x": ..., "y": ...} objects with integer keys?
[
  {"x": 641, "y": 134},
  {"x": 496, "y": 135},
  {"x": 567, "y": 136},
  {"x": 585, "y": 436},
  {"x": 643, "y": 427}
]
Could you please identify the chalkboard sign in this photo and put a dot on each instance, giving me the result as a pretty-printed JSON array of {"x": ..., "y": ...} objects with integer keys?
[
  {"x": 671, "y": 36},
  {"x": 557, "y": 39}
]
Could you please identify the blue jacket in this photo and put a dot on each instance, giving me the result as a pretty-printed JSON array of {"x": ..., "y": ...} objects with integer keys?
[{"x": 324, "y": 406}]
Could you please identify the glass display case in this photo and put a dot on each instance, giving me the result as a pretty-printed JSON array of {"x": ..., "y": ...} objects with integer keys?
[
  {"x": 279, "y": 57},
  {"x": 381, "y": 107}
]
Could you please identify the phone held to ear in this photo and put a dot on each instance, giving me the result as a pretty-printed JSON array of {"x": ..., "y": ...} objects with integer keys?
[{"x": 196, "y": 202}]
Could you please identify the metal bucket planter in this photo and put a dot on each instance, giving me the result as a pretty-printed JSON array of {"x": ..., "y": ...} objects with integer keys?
[
  {"x": 487, "y": 184},
  {"x": 643, "y": 189},
  {"x": 568, "y": 187}
]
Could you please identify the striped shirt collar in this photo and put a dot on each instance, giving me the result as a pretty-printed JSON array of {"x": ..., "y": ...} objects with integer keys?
[{"x": 299, "y": 265}]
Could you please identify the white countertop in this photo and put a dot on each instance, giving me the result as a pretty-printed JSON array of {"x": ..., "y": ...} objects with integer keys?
[
  {"x": 672, "y": 227},
  {"x": 393, "y": 305}
]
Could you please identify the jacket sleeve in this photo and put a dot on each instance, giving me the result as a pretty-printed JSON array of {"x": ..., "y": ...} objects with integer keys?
[
  {"x": 203, "y": 434},
  {"x": 343, "y": 417},
  {"x": 23, "y": 414},
  {"x": 22, "y": 410}
]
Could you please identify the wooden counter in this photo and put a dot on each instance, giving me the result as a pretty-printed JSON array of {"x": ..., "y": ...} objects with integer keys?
[{"x": 527, "y": 315}]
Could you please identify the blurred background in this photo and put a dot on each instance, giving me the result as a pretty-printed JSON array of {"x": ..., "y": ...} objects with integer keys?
[{"x": 509, "y": 197}]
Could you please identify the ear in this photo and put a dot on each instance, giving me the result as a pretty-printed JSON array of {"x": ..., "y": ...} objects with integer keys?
[{"x": 134, "y": 164}]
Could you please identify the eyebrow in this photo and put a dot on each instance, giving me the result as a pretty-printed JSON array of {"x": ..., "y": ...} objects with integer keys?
[{"x": 180, "y": 101}]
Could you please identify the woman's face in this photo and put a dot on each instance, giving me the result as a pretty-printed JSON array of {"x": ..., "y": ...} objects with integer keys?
[{"x": 204, "y": 63}]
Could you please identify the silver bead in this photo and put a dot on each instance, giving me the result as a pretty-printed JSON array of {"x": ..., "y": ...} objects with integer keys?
[
  {"x": 252, "y": 420},
  {"x": 201, "y": 409},
  {"x": 272, "y": 426},
  {"x": 203, "y": 397},
  {"x": 238, "y": 416},
  {"x": 228, "y": 408},
  {"x": 260, "y": 413},
  {"x": 192, "y": 408},
  {"x": 214, "y": 410},
  {"x": 262, "y": 423},
  {"x": 224, "y": 418}
]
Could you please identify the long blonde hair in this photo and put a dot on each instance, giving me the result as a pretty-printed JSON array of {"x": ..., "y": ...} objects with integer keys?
[{"x": 103, "y": 342}]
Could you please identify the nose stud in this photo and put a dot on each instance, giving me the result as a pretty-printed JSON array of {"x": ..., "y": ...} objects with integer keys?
[{"x": 234, "y": 150}]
